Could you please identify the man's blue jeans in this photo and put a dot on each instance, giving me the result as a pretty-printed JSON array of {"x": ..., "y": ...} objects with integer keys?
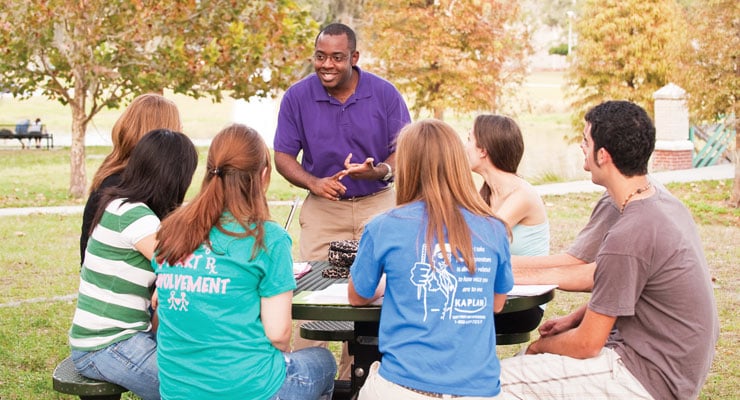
[
  {"x": 131, "y": 363},
  {"x": 309, "y": 375}
]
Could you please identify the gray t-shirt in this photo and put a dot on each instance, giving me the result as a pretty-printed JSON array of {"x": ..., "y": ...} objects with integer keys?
[
  {"x": 652, "y": 275},
  {"x": 603, "y": 216}
]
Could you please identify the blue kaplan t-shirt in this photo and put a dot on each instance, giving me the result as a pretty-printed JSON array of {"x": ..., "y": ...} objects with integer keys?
[
  {"x": 211, "y": 341},
  {"x": 436, "y": 327}
]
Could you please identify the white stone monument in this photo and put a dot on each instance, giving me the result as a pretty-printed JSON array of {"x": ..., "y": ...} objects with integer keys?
[{"x": 673, "y": 149}]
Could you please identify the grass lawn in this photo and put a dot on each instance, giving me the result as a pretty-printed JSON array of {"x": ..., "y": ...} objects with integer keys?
[
  {"x": 41, "y": 178},
  {"x": 538, "y": 108},
  {"x": 40, "y": 257},
  {"x": 40, "y": 263}
]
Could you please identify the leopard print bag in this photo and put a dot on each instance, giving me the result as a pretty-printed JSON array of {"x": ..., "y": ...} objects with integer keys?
[{"x": 342, "y": 252}]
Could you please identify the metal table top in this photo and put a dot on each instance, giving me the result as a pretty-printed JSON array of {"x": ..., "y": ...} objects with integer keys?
[{"x": 315, "y": 281}]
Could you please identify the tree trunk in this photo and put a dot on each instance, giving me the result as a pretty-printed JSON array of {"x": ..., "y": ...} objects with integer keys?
[
  {"x": 77, "y": 176},
  {"x": 735, "y": 197},
  {"x": 439, "y": 113}
]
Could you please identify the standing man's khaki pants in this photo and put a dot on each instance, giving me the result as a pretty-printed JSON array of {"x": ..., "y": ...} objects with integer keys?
[{"x": 323, "y": 221}]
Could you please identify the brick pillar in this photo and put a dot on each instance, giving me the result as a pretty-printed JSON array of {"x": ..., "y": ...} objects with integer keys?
[{"x": 673, "y": 149}]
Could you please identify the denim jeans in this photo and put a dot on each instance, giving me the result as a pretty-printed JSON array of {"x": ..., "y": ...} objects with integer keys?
[
  {"x": 309, "y": 375},
  {"x": 131, "y": 363}
]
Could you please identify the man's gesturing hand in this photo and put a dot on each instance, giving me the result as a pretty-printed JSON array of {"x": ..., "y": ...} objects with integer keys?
[
  {"x": 330, "y": 187},
  {"x": 366, "y": 170}
]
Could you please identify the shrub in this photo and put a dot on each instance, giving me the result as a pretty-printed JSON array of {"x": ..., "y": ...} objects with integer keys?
[{"x": 561, "y": 49}]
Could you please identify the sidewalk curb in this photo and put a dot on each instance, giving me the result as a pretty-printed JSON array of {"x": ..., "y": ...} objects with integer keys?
[{"x": 722, "y": 171}]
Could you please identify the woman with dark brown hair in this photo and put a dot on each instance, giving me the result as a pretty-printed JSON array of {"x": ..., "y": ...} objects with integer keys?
[
  {"x": 495, "y": 147},
  {"x": 113, "y": 333},
  {"x": 225, "y": 285}
]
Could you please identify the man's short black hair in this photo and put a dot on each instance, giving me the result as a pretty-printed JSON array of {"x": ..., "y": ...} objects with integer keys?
[
  {"x": 336, "y": 29},
  {"x": 626, "y": 131}
]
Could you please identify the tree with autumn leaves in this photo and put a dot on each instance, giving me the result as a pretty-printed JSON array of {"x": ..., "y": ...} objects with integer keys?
[
  {"x": 626, "y": 50},
  {"x": 94, "y": 54},
  {"x": 631, "y": 48},
  {"x": 447, "y": 54},
  {"x": 710, "y": 68}
]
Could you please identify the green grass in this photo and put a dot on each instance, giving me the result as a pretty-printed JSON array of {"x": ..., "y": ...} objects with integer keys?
[
  {"x": 40, "y": 256},
  {"x": 40, "y": 262},
  {"x": 201, "y": 118},
  {"x": 31, "y": 347},
  {"x": 708, "y": 201},
  {"x": 546, "y": 177},
  {"x": 41, "y": 178}
]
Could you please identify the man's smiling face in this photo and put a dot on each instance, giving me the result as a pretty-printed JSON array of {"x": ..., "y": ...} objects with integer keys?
[{"x": 333, "y": 61}]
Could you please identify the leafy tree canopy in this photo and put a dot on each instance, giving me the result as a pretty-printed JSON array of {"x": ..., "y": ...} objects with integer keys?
[
  {"x": 627, "y": 50},
  {"x": 448, "y": 54},
  {"x": 97, "y": 53},
  {"x": 710, "y": 70}
]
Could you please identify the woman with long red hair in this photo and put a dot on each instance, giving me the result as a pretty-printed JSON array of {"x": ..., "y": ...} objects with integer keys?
[{"x": 225, "y": 284}]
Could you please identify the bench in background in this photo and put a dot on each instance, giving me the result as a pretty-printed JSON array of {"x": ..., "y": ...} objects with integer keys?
[{"x": 7, "y": 132}]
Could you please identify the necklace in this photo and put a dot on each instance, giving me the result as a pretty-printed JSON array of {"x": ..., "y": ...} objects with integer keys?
[{"x": 638, "y": 191}]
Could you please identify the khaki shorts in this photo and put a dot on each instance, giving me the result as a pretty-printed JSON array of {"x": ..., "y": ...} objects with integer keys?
[
  {"x": 551, "y": 376},
  {"x": 378, "y": 388},
  {"x": 322, "y": 221}
]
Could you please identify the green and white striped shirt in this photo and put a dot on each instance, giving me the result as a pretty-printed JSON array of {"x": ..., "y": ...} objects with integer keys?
[{"x": 116, "y": 281}]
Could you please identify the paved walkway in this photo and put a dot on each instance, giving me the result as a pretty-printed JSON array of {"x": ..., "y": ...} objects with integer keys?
[{"x": 723, "y": 171}]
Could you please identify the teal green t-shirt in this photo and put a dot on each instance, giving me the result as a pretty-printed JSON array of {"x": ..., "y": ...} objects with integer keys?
[{"x": 211, "y": 343}]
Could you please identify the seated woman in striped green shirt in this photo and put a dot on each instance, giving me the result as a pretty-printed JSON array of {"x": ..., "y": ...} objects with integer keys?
[{"x": 112, "y": 335}]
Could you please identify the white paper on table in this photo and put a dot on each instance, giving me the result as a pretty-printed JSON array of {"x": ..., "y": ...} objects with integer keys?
[
  {"x": 531, "y": 290},
  {"x": 300, "y": 269},
  {"x": 336, "y": 294}
]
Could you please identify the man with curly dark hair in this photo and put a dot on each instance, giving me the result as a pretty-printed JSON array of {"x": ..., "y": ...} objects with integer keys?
[{"x": 650, "y": 327}]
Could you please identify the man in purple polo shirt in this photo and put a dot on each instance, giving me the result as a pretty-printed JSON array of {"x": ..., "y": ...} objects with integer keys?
[{"x": 345, "y": 122}]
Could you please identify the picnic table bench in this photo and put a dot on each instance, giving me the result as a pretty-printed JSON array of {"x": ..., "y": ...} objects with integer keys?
[{"x": 66, "y": 379}]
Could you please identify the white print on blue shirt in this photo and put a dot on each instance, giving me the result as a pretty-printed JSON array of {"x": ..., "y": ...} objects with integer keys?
[
  {"x": 438, "y": 285},
  {"x": 180, "y": 285}
]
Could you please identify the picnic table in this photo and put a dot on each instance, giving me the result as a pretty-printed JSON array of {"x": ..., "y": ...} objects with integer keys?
[{"x": 360, "y": 324}]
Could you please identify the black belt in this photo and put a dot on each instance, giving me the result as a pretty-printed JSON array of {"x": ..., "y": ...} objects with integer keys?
[
  {"x": 430, "y": 394},
  {"x": 353, "y": 198}
]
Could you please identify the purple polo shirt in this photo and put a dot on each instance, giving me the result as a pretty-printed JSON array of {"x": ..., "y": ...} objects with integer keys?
[{"x": 327, "y": 131}]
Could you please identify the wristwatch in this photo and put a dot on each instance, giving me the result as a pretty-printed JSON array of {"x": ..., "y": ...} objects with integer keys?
[{"x": 389, "y": 175}]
